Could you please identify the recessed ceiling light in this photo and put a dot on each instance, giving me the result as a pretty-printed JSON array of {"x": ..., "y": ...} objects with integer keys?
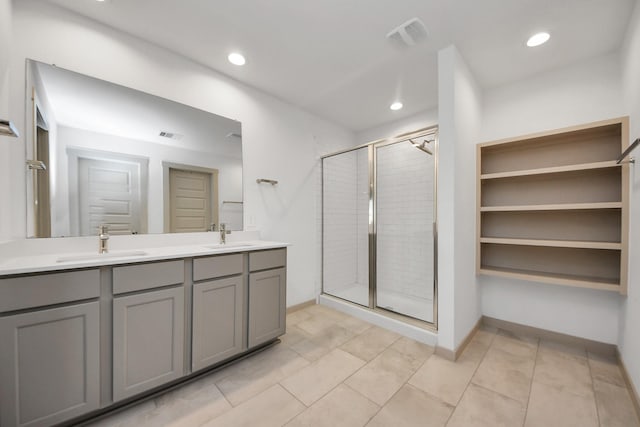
[
  {"x": 236, "y": 59},
  {"x": 538, "y": 39},
  {"x": 396, "y": 106}
]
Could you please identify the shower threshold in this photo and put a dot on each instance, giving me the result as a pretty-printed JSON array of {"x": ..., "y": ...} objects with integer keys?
[
  {"x": 409, "y": 327},
  {"x": 412, "y": 307}
]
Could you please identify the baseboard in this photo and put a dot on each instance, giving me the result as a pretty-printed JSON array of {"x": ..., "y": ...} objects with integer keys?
[
  {"x": 300, "y": 306},
  {"x": 445, "y": 353},
  {"x": 635, "y": 398},
  {"x": 595, "y": 347},
  {"x": 452, "y": 355}
]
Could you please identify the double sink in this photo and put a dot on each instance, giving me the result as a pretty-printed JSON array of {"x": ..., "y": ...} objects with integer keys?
[{"x": 137, "y": 253}]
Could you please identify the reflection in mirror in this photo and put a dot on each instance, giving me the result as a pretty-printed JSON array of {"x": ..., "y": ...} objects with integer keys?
[{"x": 99, "y": 153}]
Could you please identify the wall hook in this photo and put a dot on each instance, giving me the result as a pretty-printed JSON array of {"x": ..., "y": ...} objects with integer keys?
[{"x": 36, "y": 164}]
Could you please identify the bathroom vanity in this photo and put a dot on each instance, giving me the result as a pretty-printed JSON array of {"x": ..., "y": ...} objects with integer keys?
[{"x": 83, "y": 334}]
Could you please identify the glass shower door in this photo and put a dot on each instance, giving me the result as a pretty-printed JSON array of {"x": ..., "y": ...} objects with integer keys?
[
  {"x": 346, "y": 224},
  {"x": 405, "y": 217}
]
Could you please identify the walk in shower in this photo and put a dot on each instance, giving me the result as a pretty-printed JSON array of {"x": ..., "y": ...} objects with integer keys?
[{"x": 379, "y": 225}]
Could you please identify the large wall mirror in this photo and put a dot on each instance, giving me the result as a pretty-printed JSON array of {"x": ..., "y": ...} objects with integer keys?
[{"x": 99, "y": 153}]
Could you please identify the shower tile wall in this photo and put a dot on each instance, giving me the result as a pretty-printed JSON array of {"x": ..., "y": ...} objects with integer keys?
[
  {"x": 405, "y": 214},
  {"x": 345, "y": 224},
  {"x": 363, "y": 217}
]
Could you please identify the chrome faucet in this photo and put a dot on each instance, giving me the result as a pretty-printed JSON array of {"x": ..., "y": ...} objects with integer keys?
[
  {"x": 103, "y": 236},
  {"x": 223, "y": 233}
]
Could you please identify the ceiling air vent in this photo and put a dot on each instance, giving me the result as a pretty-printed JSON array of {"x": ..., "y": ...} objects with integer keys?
[
  {"x": 171, "y": 135},
  {"x": 408, "y": 34}
]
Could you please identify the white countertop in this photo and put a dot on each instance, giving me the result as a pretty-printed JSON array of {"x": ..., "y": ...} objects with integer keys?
[{"x": 60, "y": 261}]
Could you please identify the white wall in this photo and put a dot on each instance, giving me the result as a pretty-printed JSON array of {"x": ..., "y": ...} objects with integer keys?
[
  {"x": 630, "y": 315},
  {"x": 279, "y": 141},
  {"x": 7, "y": 144},
  {"x": 577, "y": 94},
  {"x": 5, "y": 57},
  {"x": 459, "y": 113},
  {"x": 468, "y": 114},
  {"x": 583, "y": 92},
  {"x": 412, "y": 123}
]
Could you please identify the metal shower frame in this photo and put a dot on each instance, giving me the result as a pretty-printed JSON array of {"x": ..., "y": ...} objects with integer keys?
[{"x": 372, "y": 157}]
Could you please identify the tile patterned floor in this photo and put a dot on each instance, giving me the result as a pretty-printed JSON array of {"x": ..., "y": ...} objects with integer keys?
[{"x": 334, "y": 370}]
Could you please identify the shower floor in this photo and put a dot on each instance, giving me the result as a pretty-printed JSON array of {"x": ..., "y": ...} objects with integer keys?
[{"x": 419, "y": 308}]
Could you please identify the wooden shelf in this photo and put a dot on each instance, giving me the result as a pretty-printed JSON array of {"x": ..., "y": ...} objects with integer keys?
[
  {"x": 552, "y": 243},
  {"x": 552, "y": 170},
  {"x": 552, "y": 207},
  {"x": 556, "y": 279}
]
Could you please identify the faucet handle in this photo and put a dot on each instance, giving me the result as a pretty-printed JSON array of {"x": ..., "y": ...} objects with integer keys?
[{"x": 103, "y": 229}]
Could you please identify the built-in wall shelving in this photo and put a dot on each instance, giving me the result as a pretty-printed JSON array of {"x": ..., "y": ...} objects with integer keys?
[{"x": 553, "y": 207}]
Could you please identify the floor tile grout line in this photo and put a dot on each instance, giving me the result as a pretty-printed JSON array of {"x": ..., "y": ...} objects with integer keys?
[
  {"x": 593, "y": 388},
  {"x": 533, "y": 375},
  {"x": 295, "y": 397},
  {"x": 379, "y": 406},
  {"x": 498, "y": 393},
  {"x": 278, "y": 382},
  {"x": 472, "y": 375},
  {"x": 333, "y": 388},
  {"x": 343, "y": 382},
  {"x": 406, "y": 382}
]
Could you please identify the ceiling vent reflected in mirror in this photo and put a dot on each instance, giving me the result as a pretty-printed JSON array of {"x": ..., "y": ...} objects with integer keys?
[
  {"x": 171, "y": 135},
  {"x": 408, "y": 34},
  {"x": 7, "y": 128}
]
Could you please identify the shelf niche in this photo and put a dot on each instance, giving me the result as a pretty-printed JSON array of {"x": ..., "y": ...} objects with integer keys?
[{"x": 553, "y": 207}]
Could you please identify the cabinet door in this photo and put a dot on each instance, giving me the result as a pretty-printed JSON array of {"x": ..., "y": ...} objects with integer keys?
[
  {"x": 267, "y": 305},
  {"x": 148, "y": 341},
  {"x": 217, "y": 321},
  {"x": 49, "y": 365}
]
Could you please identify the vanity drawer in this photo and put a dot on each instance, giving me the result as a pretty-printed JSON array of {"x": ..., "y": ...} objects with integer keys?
[
  {"x": 217, "y": 266},
  {"x": 264, "y": 260},
  {"x": 18, "y": 293},
  {"x": 131, "y": 278}
]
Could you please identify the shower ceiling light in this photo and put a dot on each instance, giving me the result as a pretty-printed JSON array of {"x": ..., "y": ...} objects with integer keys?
[
  {"x": 538, "y": 39},
  {"x": 236, "y": 58},
  {"x": 396, "y": 106}
]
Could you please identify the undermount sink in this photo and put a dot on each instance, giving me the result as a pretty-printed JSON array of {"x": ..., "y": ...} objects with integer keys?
[
  {"x": 230, "y": 245},
  {"x": 98, "y": 257}
]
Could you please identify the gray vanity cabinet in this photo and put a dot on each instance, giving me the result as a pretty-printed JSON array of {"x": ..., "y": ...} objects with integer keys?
[
  {"x": 148, "y": 340},
  {"x": 217, "y": 321},
  {"x": 218, "y": 309},
  {"x": 267, "y": 295},
  {"x": 82, "y": 340},
  {"x": 49, "y": 365}
]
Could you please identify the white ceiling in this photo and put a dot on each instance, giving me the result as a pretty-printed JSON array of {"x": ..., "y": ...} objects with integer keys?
[{"x": 331, "y": 57}]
